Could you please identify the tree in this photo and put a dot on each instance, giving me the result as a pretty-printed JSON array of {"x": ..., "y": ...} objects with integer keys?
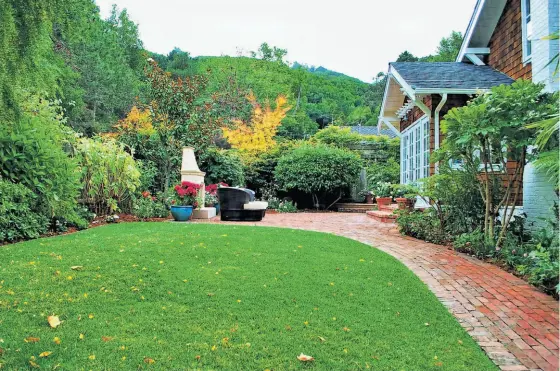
[
  {"x": 274, "y": 54},
  {"x": 448, "y": 49},
  {"x": 488, "y": 136},
  {"x": 258, "y": 135},
  {"x": 406, "y": 56}
]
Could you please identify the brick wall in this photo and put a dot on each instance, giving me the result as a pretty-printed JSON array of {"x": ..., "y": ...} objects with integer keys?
[{"x": 506, "y": 52}]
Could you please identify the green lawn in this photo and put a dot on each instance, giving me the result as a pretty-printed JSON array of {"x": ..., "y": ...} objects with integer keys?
[{"x": 188, "y": 296}]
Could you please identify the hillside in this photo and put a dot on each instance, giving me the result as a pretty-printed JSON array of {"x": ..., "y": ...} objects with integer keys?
[{"x": 318, "y": 96}]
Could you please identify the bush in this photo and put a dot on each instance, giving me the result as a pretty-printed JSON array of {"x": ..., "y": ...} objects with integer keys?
[
  {"x": 320, "y": 171},
  {"x": 384, "y": 172},
  {"x": 342, "y": 137},
  {"x": 222, "y": 166},
  {"x": 286, "y": 207},
  {"x": 32, "y": 153},
  {"x": 109, "y": 175},
  {"x": 474, "y": 243},
  {"x": 423, "y": 225},
  {"x": 18, "y": 218},
  {"x": 298, "y": 126},
  {"x": 149, "y": 206}
]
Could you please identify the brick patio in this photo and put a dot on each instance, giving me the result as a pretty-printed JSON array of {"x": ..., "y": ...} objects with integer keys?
[{"x": 515, "y": 324}]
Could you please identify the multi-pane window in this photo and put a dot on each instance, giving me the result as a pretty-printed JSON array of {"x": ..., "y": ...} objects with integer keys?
[
  {"x": 527, "y": 29},
  {"x": 415, "y": 151}
]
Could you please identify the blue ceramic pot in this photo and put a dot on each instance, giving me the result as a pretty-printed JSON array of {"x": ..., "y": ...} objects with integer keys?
[{"x": 181, "y": 213}]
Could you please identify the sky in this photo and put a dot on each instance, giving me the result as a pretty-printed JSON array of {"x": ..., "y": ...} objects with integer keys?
[{"x": 356, "y": 37}]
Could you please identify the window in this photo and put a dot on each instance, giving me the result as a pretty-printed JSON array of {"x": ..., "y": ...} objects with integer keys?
[
  {"x": 415, "y": 151},
  {"x": 527, "y": 29}
]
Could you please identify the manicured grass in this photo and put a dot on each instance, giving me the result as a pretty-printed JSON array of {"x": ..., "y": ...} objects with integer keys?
[{"x": 188, "y": 296}]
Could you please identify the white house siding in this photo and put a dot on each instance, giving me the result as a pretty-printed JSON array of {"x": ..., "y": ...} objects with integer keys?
[
  {"x": 545, "y": 16},
  {"x": 538, "y": 191}
]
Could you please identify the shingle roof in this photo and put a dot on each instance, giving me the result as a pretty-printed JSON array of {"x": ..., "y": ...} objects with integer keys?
[
  {"x": 371, "y": 130},
  {"x": 449, "y": 75}
]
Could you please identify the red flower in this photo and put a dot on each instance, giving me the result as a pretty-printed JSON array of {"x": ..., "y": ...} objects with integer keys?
[
  {"x": 146, "y": 194},
  {"x": 154, "y": 198}
]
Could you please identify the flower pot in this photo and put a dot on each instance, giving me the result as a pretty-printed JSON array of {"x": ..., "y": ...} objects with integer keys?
[
  {"x": 369, "y": 199},
  {"x": 404, "y": 203},
  {"x": 181, "y": 213},
  {"x": 384, "y": 201}
]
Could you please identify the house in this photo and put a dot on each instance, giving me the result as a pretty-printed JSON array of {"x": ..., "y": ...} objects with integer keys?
[{"x": 503, "y": 42}]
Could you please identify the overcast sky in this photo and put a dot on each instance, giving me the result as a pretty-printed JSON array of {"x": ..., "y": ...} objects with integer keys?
[{"x": 355, "y": 37}]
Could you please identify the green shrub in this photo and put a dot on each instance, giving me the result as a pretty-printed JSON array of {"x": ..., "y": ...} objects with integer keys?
[
  {"x": 474, "y": 243},
  {"x": 18, "y": 218},
  {"x": 387, "y": 172},
  {"x": 149, "y": 206},
  {"x": 298, "y": 126},
  {"x": 423, "y": 225},
  {"x": 342, "y": 137},
  {"x": 108, "y": 173},
  {"x": 318, "y": 171},
  {"x": 222, "y": 166},
  {"x": 286, "y": 207},
  {"x": 32, "y": 153}
]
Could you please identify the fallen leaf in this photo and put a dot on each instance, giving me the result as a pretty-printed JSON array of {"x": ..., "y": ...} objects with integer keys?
[
  {"x": 76, "y": 267},
  {"x": 56, "y": 340},
  {"x": 302, "y": 357},
  {"x": 322, "y": 339},
  {"x": 31, "y": 339},
  {"x": 54, "y": 321},
  {"x": 426, "y": 324},
  {"x": 45, "y": 354},
  {"x": 345, "y": 329},
  {"x": 149, "y": 361},
  {"x": 106, "y": 338},
  {"x": 82, "y": 336},
  {"x": 33, "y": 364},
  {"x": 90, "y": 316},
  {"x": 91, "y": 357},
  {"x": 197, "y": 358}
]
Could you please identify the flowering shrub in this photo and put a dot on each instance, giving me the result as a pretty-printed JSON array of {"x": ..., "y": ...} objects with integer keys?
[
  {"x": 186, "y": 194},
  {"x": 149, "y": 206},
  {"x": 211, "y": 197},
  {"x": 383, "y": 189}
]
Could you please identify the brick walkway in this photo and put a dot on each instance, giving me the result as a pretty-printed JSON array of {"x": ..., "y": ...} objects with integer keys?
[{"x": 513, "y": 322}]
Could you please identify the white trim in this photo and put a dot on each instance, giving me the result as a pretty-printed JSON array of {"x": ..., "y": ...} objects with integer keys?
[
  {"x": 470, "y": 29},
  {"x": 415, "y": 142},
  {"x": 449, "y": 91},
  {"x": 407, "y": 89},
  {"x": 413, "y": 124},
  {"x": 390, "y": 125},
  {"x": 382, "y": 111},
  {"x": 436, "y": 124},
  {"x": 474, "y": 59},
  {"x": 477, "y": 51},
  {"x": 422, "y": 106},
  {"x": 524, "y": 33}
]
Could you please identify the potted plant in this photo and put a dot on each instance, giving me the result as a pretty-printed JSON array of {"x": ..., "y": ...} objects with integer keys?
[
  {"x": 404, "y": 195},
  {"x": 384, "y": 193},
  {"x": 184, "y": 200},
  {"x": 368, "y": 195}
]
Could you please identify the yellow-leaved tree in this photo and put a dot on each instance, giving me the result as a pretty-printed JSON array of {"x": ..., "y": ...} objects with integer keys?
[
  {"x": 258, "y": 135},
  {"x": 136, "y": 121}
]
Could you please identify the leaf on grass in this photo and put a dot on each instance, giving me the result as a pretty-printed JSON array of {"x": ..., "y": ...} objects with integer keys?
[
  {"x": 304, "y": 358},
  {"x": 106, "y": 338},
  {"x": 45, "y": 354},
  {"x": 76, "y": 267},
  {"x": 31, "y": 339},
  {"x": 82, "y": 336},
  {"x": 149, "y": 361},
  {"x": 345, "y": 329},
  {"x": 54, "y": 321},
  {"x": 33, "y": 364},
  {"x": 56, "y": 340},
  {"x": 321, "y": 339}
]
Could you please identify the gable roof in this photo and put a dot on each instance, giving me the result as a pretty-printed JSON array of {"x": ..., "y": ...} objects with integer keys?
[
  {"x": 449, "y": 75},
  {"x": 371, "y": 130}
]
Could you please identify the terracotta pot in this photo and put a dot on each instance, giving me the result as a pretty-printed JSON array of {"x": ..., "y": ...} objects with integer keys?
[
  {"x": 369, "y": 199},
  {"x": 404, "y": 203},
  {"x": 384, "y": 201}
]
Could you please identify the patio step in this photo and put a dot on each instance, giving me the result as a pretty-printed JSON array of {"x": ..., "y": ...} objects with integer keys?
[
  {"x": 390, "y": 207},
  {"x": 383, "y": 216},
  {"x": 351, "y": 207}
]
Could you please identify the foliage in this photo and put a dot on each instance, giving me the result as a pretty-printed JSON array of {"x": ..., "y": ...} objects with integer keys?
[
  {"x": 153, "y": 252},
  {"x": 404, "y": 191},
  {"x": 342, "y": 137},
  {"x": 186, "y": 194},
  {"x": 137, "y": 121},
  {"x": 148, "y": 206},
  {"x": 383, "y": 189},
  {"x": 310, "y": 169},
  {"x": 297, "y": 126},
  {"x": 19, "y": 218},
  {"x": 108, "y": 174},
  {"x": 258, "y": 135},
  {"x": 547, "y": 142},
  {"x": 211, "y": 193},
  {"x": 423, "y": 225},
  {"x": 31, "y": 153},
  {"x": 474, "y": 243},
  {"x": 222, "y": 166},
  {"x": 489, "y": 132},
  {"x": 388, "y": 172},
  {"x": 286, "y": 207}
]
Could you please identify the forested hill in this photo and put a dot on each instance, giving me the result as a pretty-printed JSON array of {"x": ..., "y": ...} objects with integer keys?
[{"x": 318, "y": 96}]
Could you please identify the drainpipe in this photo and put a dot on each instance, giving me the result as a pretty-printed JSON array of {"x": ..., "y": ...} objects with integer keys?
[{"x": 436, "y": 123}]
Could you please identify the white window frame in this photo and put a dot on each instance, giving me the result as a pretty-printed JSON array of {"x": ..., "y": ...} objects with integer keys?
[
  {"x": 415, "y": 151},
  {"x": 526, "y": 30}
]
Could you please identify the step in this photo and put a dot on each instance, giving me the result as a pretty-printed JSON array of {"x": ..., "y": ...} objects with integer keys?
[
  {"x": 351, "y": 207},
  {"x": 390, "y": 207},
  {"x": 383, "y": 216}
]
